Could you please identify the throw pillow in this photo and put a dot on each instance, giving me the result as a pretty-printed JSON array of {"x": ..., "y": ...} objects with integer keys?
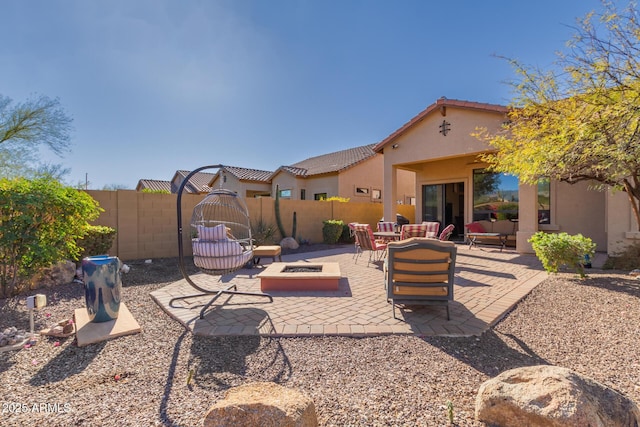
[{"x": 475, "y": 227}]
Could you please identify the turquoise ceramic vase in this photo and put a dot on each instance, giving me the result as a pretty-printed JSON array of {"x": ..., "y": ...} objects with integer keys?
[{"x": 102, "y": 287}]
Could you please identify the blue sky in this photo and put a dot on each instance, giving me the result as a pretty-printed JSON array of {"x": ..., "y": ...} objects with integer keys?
[{"x": 156, "y": 86}]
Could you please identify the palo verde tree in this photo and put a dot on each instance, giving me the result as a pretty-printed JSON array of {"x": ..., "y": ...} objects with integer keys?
[
  {"x": 579, "y": 120},
  {"x": 24, "y": 128}
]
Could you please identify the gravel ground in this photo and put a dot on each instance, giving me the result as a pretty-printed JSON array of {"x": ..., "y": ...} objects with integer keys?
[{"x": 589, "y": 325}]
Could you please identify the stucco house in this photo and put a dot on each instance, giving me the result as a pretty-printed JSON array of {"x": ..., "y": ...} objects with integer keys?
[
  {"x": 452, "y": 187},
  {"x": 244, "y": 181},
  {"x": 154, "y": 185},
  {"x": 355, "y": 173},
  {"x": 198, "y": 183}
]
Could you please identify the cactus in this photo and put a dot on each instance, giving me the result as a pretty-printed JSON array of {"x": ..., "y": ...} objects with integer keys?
[
  {"x": 295, "y": 225},
  {"x": 277, "y": 208}
]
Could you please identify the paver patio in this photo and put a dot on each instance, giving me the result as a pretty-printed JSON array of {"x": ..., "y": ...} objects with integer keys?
[{"x": 488, "y": 283}]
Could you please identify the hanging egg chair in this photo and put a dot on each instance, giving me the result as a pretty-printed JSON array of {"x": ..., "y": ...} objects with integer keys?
[{"x": 220, "y": 234}]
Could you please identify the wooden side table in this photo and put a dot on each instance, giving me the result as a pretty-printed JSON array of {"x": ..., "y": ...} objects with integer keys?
[{"x": 272, "y": 251}]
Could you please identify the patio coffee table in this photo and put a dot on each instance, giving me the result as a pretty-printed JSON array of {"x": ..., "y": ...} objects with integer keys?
[{"x": 487, "y": 239}]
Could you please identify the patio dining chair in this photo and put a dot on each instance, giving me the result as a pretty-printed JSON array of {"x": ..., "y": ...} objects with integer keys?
[
  {"x": 388, "y": 227},
  {"x": 432, "y": 228},
  {"x": 413, "y": 230},
  {"x": 446, "y": 232},
  {"x": 352, "y": 233},
  {"x": 366, "y": 241}
]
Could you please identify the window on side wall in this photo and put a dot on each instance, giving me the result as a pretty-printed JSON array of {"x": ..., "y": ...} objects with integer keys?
[
  {"x": 362, "y": 191},
  {"x": 285, "y": 193},
  {"x": 320, "y": 196},
  {"x": 303, "y": 194},
  {"x": 544, "y": 201},
  {"x": 495, "y": 196}
]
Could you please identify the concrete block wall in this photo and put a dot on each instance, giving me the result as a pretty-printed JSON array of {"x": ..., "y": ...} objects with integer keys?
[{"x": 146, "y": 223}]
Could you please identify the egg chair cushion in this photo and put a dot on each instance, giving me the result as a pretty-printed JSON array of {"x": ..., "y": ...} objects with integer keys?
[
  {"x": 216, "y": 249},
  {"x": 211, "y": 234},
  {"x": 220, "y": 255}
]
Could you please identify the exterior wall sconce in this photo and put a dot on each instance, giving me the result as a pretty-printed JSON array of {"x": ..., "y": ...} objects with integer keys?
[{"x": 394, "y": 146}]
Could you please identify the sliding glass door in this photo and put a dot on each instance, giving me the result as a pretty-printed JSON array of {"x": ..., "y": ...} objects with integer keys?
[{"x": 444, "y": 203}]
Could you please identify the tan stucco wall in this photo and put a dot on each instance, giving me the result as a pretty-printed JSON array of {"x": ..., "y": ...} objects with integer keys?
[
  {"x": 440, "y": 159},
  {"x": 622, "y": 228},
  {"x": 370, "y": 175},
  {"x": 286, "y": 181},
  {"x": 245, "y": 188},
  {"x": 367, "y": 174},
  {"x": 424, "y": 142},
  {"x": 328, "y": 184},
  {"x": 580, "y": 210},
  {"x": 432, "y": 155},
  {"x": 406, "y": 187}
]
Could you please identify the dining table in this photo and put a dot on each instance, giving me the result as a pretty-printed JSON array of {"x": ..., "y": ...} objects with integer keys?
[{"x": 387, "y": 235}]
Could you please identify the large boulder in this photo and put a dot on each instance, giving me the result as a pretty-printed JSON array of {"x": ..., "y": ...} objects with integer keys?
[
  {"x": 58, "y": 274},
  {"x": 262, "y": 404},
  {"x": 289, "y": 243},
  {"x": 552, "y": 396}
]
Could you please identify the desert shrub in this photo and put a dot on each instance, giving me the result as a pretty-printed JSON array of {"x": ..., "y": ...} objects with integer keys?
[
  {"x": 97, "y": 241},
  {"x": 337, "y": 199},
  {"x": 557, "y": 249},
  {"x": 627, "y": 259},
  {"x": 40, "y": 223},
  {"x": 345, "y": 236},
  {"x": 263, "y": 233},
  {"x": 331, "y": 230},
  {"x": 151, "y": 191}
]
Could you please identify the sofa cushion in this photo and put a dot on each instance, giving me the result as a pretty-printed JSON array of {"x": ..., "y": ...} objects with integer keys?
[{"x": 475, "y": 227}]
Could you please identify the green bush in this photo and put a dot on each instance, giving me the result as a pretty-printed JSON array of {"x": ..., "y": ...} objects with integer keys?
[
  {"x": 40, "y": 223},
  {"x": 263, "y": 233},
  {"x": 151, "y": 191},
  {"x": 557, "y": 249},
  {"x": 331, "y": 230},
  {"x": 97, "y": 241},
  {"x": 345, "y": 236}
]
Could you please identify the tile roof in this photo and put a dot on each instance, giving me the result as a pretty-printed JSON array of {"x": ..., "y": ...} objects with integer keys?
[
  {"x": 440, "y": 103},
  {"x": 199, "y": 183},
  {"x": 245, "y": 174},
  {"x": 153, "y": 184},
  {"x": 332, "y": 162}
]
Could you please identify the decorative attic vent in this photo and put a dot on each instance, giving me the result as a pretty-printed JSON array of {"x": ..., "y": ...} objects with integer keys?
[{"x": 445, "y": 127}]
